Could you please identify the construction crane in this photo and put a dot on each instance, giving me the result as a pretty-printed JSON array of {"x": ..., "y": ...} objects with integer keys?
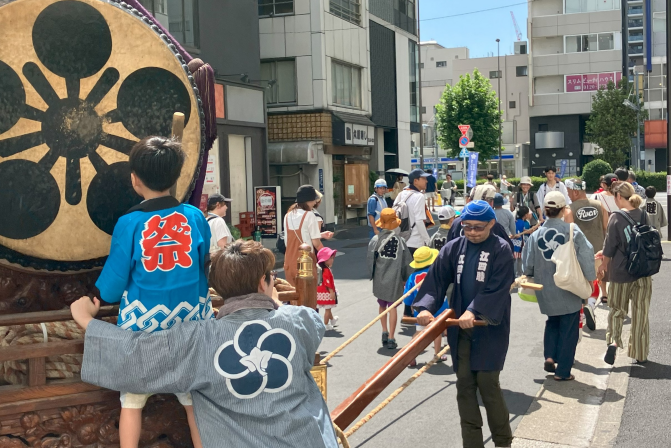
[{"x": 517, "y": 28}]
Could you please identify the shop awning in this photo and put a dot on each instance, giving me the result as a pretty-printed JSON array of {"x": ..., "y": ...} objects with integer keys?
[
  {"x": 294, "y": 153},
  {"x": 353, "y": 118}
]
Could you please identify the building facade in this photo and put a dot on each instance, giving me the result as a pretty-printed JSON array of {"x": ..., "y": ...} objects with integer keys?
[
  {"x": 575, "y": 47},
  {"x": 644, "y": 60},
  {"x": 328, "y": 125},
  {"x": 206, "y": 28}
]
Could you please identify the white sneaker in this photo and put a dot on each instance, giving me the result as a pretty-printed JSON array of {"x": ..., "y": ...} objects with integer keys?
[
  {"x": 329, "y": 327},
  {"x": 334, "y": 321}
]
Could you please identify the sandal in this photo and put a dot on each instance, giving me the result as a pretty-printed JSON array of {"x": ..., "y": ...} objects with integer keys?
[
  {"x": 443, "y": 358},
  {"x": 385, "y": 337},
  {"x": 549, "y": 367},
  {"x": 604, "y": 300},
  {"x": 569, "y": 378},
  {"x": 413, "y": 363}
]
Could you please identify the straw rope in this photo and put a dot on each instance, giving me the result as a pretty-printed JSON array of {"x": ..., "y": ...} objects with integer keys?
[
  {"x": 370, "y": 324},
  {"x": 395, "y": 394},
  {"x": 342, "y": 439}
]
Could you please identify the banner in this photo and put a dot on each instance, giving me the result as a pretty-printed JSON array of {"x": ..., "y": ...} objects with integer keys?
[
  {"x": 268, "y": 211},
  {"x": 562, "y": 170},
  {"x": 472, "y": 169}
]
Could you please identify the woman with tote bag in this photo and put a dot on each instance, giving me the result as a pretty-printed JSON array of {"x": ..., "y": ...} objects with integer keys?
[{"x": 554, "y": 240}]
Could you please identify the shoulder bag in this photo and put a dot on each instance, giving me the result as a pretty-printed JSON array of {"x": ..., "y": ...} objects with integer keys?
[{"x": 568, "y": 275}]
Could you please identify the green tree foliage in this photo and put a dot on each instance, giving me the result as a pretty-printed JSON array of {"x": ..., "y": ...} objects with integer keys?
[
  {"x": 612, "y": 124},
  {"x": 470, "y": 101},
  {"x": 593, "y": 170}
]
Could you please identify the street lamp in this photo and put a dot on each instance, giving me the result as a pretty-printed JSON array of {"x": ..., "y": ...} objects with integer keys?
[{"x": 498, "y": 77}]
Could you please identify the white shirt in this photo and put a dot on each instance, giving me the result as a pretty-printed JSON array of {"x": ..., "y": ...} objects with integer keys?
[
  {"x": 310, "y": 229},
  {"x": 417, "y": 214},
  {"x": 544, "y": 189},
  {"x": 607, "y": 202},
  {"x": 219, "y": 230}
]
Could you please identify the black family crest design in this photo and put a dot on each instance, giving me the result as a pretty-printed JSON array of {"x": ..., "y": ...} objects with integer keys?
[{"x": 73, "y": 40}]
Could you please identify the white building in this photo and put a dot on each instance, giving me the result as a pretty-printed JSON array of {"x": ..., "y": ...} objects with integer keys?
[{"x": 328, "y": 124}]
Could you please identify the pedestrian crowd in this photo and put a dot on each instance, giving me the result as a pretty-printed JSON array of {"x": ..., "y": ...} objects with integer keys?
[{"x": 244, "y": 370}]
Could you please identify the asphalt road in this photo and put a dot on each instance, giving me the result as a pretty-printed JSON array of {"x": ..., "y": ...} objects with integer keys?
[
  {"x": 426, "y": 413},
  {"x": 645, "y": 420}
]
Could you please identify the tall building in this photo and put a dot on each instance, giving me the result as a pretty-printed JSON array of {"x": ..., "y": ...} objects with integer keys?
[
  {"x": 575, "y": 47},
  {"x": 644, "y": 59},
  {"x": 328, "y": 124},
  {"x": 205, "y": 28}
]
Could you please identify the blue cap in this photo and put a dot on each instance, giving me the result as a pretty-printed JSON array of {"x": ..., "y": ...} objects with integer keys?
[
  {"x": 380, "y": 183},
  {"x": 416, "y": 174},
  {"x": 498, "y": 200},
  {"x": 478, "y": 211}
]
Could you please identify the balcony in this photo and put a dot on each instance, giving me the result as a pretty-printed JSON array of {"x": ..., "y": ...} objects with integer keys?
[
  {"x": 635, "y": 37},
  {"x": 635, "y": 50},
  {"x": 635, "y": 11},
  {"x": 635, "y": 23}
]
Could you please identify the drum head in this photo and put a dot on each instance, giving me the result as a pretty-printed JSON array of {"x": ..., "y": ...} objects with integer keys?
[{"x": 80, "y": 82}]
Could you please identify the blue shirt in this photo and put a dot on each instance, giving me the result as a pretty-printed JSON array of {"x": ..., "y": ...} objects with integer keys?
[
  {"x": 431, "y": 184},
  {"x": 375, "y": 205},
  {"x": 415, "y": 277},
  {"x": 520, "y": 226},
  {"x": 156, "y": 266}
]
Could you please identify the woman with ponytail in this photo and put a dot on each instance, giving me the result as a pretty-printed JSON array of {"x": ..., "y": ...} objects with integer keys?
[{"x": 623, "y": 286}]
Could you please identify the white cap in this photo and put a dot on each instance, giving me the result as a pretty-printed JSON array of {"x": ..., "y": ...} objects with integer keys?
[
  {"x": 380, "y": 183},
  {"x": 446, "y": 212},
  {"x": 554, "y": 199},
  {"x": 484, "y": 192}
]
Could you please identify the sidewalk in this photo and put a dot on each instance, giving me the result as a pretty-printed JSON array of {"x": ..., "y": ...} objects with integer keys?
[{"x": 585, "y": 412}]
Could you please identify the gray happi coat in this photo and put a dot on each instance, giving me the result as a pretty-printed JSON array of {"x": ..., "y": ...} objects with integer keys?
[
  {"x": 388, "y": 265},
  {"x": 248, "y": 372}
]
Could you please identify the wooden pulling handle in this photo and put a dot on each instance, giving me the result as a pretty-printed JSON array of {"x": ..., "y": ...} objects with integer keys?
[{"x": 450, "y": 322}]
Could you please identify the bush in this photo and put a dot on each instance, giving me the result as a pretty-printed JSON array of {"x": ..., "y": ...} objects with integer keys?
[
  {"x": 648, "y": 179},
  {"x": 593, "y": 170}
]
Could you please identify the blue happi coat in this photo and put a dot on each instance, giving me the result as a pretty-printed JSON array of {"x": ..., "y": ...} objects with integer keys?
[{"x": 491, "y": 302}]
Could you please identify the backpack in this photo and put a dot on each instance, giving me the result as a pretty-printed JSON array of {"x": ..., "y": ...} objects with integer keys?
[
  {"x": 645, "y": 248},
  {"x": 402, "y": 213}
]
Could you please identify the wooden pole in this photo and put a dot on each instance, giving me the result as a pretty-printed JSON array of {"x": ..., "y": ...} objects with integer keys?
[
  {"x": 177, "y": 133},
  {"x": 306, "y": 283}
]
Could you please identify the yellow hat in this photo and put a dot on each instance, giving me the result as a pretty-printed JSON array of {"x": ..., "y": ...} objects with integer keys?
[{"x": 423, "y": 257}]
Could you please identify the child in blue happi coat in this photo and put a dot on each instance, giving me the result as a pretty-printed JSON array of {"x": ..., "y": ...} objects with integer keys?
[
  {"x": 522, "y": 231},
  {"x": 423, "y": 258},
  {"x": 156, "y": 265}
]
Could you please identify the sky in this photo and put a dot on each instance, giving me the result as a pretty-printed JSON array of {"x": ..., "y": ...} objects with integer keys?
[{"x": 473, "y": 24}]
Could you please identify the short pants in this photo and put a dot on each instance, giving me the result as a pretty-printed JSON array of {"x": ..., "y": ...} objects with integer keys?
[
  {"x": 384, "y": 304},
  {"x": 430, "y": 195},
  {"x": 137, "y": 401}
]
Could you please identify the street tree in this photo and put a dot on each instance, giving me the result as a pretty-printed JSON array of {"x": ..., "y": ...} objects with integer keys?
[
  {"x": 472, "y": 101},
  {"x": 612, "y": 124}
]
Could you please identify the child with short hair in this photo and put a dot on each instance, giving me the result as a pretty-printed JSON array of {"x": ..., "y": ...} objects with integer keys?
[
  {"x": 156, "y": 265},
  {"x": 423, "y": 258},
  {"x": 655, "y": 211},
  {"x": 388, "y": 263},
  {"x": 446, "y": 215},
  {"x": 327, "y": 296},
  {"x": 522, "y": 231}
]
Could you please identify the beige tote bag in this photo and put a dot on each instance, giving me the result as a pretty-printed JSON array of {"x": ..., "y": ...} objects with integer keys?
[{"x": 568, "y": 275}]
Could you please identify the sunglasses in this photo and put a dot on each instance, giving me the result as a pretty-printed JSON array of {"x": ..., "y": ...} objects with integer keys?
[{"x": 467, "y": 228}]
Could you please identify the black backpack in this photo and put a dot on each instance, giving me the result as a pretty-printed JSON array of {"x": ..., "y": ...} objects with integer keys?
[{"x": 645, "y": 247}]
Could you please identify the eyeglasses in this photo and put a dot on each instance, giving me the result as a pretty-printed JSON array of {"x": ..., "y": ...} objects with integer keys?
[
  {"x": 467, "y": 228},
  {"x": 273, "y": 275}
]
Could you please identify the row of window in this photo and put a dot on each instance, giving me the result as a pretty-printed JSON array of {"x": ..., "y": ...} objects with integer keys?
[
  {"x": 589, "y": 42},
  {"x": 575, "y": 6},
  {"x": 520, "y": 70},
  {"x": 349, "y": 10}
]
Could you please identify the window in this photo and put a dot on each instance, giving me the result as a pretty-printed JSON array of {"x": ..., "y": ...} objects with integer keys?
[
  {"x": 635, "y": 10},
  {"x": 275, "y": 7},
  {"x": 180, "y": 17},
  {"x": 423, "y": 109},
  {"x": 494, "y": 74},
  {"x": 512, "y": 105},
  {"x": 283, "y": 73},
  {"x": 404, "y": 15},
  {"x": 635, "y": 36},
  {"x": 413, "y": 57},
  {"x": 346, "y": 84},
  {"x": 575, "y": 6},
  {"x": 441, "y": 63},
  {"x": 635, "y": 23},
  {"x": 659, "y": 22},
  {"x": 349, "y": 10},
  {"x": 523, "y": 49},
  {"x": 635, "y": 49},
  {"x": 522, "y": 70},
  {"x": 589, "y": 42},
  {"x": 542, "y": 128}
]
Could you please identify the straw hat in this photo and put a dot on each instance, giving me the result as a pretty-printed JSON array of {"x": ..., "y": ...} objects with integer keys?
[
  {"x": 423, "y": 257},
  {"x": 388, "y": 219}
]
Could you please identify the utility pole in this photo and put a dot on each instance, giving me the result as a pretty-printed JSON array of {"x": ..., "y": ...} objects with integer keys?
[
  {"x": 419, "y": 92},
  {"x": 498, "y": 76},
  {"x": 637, "y": 162},
  {"x": 668, "y": 122}
]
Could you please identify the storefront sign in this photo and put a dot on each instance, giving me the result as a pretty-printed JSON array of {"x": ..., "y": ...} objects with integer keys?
[
  {"x": 268, "y": 211},
  {"x": 360, "y": 135},
  {"x": 321, "y": 180},
  {"x": 590, "y": 82}
]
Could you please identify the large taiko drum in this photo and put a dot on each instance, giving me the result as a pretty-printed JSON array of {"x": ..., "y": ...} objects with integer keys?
[{"x": 80, "y": 82}]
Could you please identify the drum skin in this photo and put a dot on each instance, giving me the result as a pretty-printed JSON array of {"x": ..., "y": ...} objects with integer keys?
[{"x": 80, "y": 82}]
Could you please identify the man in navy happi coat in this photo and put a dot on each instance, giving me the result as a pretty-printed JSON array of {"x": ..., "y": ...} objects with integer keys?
[{"x": 480, "y": 264}]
